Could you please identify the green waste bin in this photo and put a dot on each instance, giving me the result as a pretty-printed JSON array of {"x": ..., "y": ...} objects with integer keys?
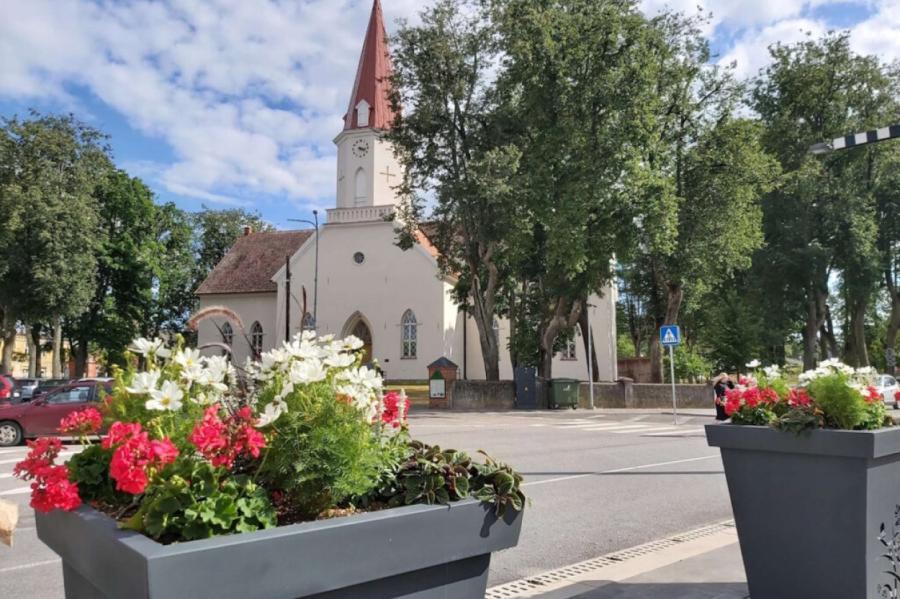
[{"x": 564, "y": 393}]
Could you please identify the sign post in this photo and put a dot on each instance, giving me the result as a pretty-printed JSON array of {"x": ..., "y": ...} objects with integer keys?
[{"x": 670, "y": 336}]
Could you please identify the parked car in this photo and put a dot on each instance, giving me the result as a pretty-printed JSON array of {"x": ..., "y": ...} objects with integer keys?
[
  {"x": 41, "y": 416},
  {"x": 887, "y": 387},
  {"x": 24, "y": 389},
  {"x": 6, "y": 389},
  {"x": 45, "y": 385}
]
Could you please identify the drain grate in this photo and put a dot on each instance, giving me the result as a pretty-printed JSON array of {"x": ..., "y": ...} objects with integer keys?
[{"x": 527, "y": 586}]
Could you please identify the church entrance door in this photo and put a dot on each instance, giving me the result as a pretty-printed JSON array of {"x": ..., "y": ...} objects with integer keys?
[{"x": 358, "y": 326}]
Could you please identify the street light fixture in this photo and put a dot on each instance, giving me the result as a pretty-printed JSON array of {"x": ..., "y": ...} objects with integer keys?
[
  {"x": 855, "y": 140},
  {"x": 316, "y": 272}
]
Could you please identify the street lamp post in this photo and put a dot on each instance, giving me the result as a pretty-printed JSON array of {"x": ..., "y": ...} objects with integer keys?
[
  {"x": 590, "y": 356},
  {"x": 316, "y": 271}
]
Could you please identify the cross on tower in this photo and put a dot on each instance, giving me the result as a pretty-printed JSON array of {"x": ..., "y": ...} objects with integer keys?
[{"x": 387, "y": 174}]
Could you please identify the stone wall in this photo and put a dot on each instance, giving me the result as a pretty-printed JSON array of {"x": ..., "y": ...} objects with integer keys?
[
  {"x": 501, "y": 395},
  {"x": 627, "y": 394},
  {"x": 636, "y": 369},
  {"x": 482, "y": 395}
]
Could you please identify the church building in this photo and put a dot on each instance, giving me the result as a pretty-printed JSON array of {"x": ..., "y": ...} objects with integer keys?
[{"x": 357, "y": 281}]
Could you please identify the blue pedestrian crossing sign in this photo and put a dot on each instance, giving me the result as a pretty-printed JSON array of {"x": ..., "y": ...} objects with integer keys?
[{"x": 670, "y": 335}]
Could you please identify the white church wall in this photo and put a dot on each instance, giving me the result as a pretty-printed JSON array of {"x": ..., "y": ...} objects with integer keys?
[
  {"x": 387, "y": 283},
  {"x": 250, "y": 307}
]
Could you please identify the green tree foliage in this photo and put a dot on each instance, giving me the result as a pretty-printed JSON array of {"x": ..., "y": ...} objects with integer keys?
[
  {"x": 56, "y": 164},
  {"x": 454, "y": 150},
  {"x": 576, "y": 81},
  {"x": 126, "y": 254},
  {"x": 821, "y": 220}
]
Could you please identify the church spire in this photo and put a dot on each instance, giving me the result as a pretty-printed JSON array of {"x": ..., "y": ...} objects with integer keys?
[{"x": 369, "y": 102}]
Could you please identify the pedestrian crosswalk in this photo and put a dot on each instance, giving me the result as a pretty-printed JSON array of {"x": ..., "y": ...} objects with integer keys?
[{"x": 594, "y": 424}]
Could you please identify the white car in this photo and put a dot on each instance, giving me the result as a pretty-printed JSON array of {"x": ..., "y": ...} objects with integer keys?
[{"x": 887, "y": 387}]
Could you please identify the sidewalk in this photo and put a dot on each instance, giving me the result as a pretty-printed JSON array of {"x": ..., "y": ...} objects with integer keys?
[
  {"x": 716, "y": 574},
  {"x": 700, "y": 564}
]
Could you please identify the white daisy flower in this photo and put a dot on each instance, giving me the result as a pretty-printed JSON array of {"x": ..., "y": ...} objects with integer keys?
[
  {"x": 144, "y": 383},
  {"x": 168, "y": 397}
]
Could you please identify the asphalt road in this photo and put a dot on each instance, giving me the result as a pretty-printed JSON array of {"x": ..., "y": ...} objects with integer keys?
[{"x": 599, "y": 482}]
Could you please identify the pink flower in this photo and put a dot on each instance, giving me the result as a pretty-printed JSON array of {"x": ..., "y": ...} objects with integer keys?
[
  {"x": 395, "y": 411},
  {"x": 51, "y": 488},
  {"x": 83, "y": 422},
  {"x": 221, "y": 442}
]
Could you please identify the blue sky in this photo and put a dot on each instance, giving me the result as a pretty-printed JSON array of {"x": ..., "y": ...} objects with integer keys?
[{"x": 235, "y": 103}]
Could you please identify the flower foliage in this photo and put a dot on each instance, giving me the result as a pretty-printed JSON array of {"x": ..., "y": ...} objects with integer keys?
[
  {"x": 833, "y": 395},
  {"x": 192, "y": 451}
]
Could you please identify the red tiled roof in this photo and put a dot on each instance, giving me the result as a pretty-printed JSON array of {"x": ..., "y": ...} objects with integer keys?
[
  {"x": 373, "y": 77},
  {"x": 252, "y": 261}
]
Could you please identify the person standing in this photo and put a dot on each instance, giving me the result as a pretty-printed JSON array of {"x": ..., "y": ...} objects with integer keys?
[{"x": 721, "y": 385}]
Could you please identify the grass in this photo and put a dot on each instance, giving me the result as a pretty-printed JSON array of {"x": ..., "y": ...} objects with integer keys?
[{"x": 416, "y": 391}]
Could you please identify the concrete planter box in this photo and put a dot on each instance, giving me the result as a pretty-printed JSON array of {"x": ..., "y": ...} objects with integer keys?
[
  {"x": 410, "y": 552},
  {"x": 810, "y": 509}
]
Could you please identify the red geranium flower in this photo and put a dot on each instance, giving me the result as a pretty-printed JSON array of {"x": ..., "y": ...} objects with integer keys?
[
  {"x": 135, "y": 453},
  {"x": 83, "y": 422},
  {"x": 51, "y": 488},
  {"x": 221, "y": 442},
  {"x": 394, "y": 411},
  {"x": 799, "y": 397}
]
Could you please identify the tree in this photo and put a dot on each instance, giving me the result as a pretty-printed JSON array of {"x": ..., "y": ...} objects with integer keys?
[
  {"x": 56, "y": 164},
  {"x": 453, "y": 149},
  {"x": 127, "y": 250},
  {"x": 175, "y": 271},
  {"x": 215, "y": 231},
  {"x": 577, "y": 79},
  {"x": 822, "y": 218}
]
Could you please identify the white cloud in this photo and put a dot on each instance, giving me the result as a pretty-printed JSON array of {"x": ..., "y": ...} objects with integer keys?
[
  {"x": 750, "y": 52},
  {"x": 247, "y": 94}
]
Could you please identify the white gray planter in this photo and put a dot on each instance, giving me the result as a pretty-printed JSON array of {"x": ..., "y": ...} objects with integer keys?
[
  {"x": 410, "y": 552},
  {"x": 810, "y": 509}
]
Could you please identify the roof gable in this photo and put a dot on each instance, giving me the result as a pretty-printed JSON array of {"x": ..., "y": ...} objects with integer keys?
[{"x": 252, "y": 261}]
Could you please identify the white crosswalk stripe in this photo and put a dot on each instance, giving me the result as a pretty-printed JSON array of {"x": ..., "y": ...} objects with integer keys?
[{"x": 624, "y": 427}]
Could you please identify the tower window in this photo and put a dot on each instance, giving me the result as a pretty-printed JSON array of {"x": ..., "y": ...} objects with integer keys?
[
  {"x": 362, "y": 114},
  {"x": 359, "y": 198}
]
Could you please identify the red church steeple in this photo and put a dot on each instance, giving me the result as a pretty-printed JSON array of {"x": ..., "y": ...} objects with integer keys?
[{"x": 373, "y": 80}]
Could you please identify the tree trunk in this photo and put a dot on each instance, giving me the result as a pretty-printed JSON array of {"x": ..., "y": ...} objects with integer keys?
[
  {"x": 80, "y": 352},
  {"x": 857, "y": 353},
  {"x": 490, "y": 351},
  {"x": 564, "y": 316},
  {"x": 57, "y": 349},
  {"x": 890, "y": 337},
  {"x": 592, "y": 351},
  {"x": 830, "y": 346},
  {"x": 32, "y": 351},
  {"x": 674, "y": 297},
  {"x": 38, "y": 350},
  {"x": 8, "y": 331}
]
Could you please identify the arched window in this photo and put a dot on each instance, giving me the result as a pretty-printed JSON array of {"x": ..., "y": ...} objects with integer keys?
[
  {"x": 359, "y": 197},
  {"x": 409, "y": 335},
  {"x": 256, "y": 339},
  {"x": 308, "y": 324},
  {"x": 568, "y": 352},
  {"x": 227, "y": 336}
]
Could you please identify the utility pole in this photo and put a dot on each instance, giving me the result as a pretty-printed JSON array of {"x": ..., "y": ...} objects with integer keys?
[
  {"x": 287, "y": 298},
  {"x": 590, "y": 356},
  {"x": 315, "y": 224}
]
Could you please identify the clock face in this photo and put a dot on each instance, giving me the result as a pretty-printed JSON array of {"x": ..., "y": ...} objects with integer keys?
[{"x": 360, "y": 148}]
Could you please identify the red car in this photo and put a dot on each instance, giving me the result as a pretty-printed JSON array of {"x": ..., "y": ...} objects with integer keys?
[{"x": 40, "y": 417}]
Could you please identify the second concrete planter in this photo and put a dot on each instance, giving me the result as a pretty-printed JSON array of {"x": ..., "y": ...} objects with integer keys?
[{"x": 815, "y": 513}]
